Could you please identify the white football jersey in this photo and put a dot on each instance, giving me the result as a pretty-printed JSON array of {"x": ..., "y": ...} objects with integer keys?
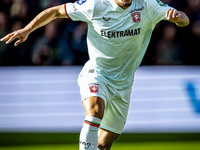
[{"x": 117, "y": 38}]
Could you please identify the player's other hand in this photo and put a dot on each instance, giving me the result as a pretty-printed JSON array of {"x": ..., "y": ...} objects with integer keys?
[
  {"x": 173, "y": 15},
  {"x": 21, "y": 35}
]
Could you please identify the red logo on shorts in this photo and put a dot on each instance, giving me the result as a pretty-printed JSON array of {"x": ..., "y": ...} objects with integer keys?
[
  {"x": 136, "y": 17},
  {"x": 94, "y": 89}
]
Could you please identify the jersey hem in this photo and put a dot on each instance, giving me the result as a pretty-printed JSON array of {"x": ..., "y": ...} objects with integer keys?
[
  {"x": 95, "y": 95},
  {"x": 66, "y": 12}
]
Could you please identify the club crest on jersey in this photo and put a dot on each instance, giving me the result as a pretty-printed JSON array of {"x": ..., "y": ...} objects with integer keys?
[
  {"x": 94, "y": 88},
  {"x": 136, "y": 17}
]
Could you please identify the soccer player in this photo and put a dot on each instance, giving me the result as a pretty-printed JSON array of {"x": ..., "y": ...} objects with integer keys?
[{"x": 119, "y": 32}]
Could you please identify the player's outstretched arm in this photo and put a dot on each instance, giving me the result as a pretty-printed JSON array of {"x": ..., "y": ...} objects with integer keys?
[
  {"x": 40, "y": 20},
  {"x": 177, "y": 17}
]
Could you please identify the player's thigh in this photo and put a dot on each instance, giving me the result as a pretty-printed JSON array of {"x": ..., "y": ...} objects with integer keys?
[
  {"x": 94, "y": 106},
  {"x": 106, "y": 139}
]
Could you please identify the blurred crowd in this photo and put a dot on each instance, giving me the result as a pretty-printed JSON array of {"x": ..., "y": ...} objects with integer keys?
[
  {"x": 63, "y": 42},
  {"x": 172, "y": 45}
]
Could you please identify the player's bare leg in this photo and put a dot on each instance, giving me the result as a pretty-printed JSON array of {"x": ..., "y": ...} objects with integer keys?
[
  {"x": 94, "y": 111},
  {"x": 94, "y": 106},
  {"x": 106, "y": 139}
]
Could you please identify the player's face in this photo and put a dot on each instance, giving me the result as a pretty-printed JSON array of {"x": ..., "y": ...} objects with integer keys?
[{"x": 124, "y": 3}]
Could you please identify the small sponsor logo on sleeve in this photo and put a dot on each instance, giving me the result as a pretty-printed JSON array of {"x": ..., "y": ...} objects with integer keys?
[
  {"x": 80, "y": 2},
  {"x": 74, "y": 7}
]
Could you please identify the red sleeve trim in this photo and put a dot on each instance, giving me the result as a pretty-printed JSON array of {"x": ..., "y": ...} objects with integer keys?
[{"x": 66, "y": 12}]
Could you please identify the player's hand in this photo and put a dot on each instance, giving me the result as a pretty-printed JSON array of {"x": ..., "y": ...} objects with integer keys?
[
  {"x": 21, "y": 35},
  {"x": 173, "y": 15}
]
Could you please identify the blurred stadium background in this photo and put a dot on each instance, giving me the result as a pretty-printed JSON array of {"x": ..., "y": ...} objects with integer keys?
[{"x": 40, "y": 104}]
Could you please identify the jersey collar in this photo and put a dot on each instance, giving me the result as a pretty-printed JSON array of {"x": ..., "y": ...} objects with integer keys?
[{"x": 117, "y": 7}]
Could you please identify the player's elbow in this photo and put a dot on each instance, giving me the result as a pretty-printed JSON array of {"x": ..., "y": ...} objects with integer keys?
[
  {"x": 60, "y": 11},
  {"x": 52, "y": 13}
]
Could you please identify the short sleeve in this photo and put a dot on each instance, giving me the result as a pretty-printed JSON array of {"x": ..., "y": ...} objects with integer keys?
[
  {"x": 81, "y": 10},
  {"x": 157, "y": 10}
]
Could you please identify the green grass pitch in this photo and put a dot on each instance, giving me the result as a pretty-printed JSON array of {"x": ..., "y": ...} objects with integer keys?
[{"x": 186, "y": 145}]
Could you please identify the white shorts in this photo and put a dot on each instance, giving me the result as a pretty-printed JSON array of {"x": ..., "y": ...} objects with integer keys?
[{"x": 116, "y": 101}]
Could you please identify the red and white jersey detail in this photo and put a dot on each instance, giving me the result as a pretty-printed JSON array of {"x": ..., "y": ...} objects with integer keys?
[
  {"x": 136, "y": 17},
  {"x": 94, "y": 88}
]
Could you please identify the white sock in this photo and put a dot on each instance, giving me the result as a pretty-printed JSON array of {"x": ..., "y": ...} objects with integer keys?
[{"x": 89, "y": 133}]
